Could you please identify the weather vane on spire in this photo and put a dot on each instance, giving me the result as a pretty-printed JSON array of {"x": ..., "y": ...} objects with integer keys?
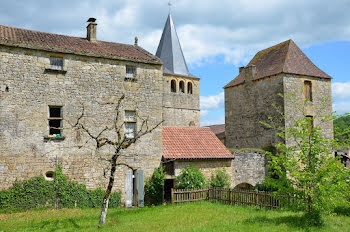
[{"x": 169, "y": 4}]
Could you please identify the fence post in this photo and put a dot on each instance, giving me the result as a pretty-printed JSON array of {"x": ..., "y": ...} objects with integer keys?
[
  {"x": 230, "y": 196},
  {"x": 172, "y": 196}
]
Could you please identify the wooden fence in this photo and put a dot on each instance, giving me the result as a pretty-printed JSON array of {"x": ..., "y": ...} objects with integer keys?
[{"x": 226, "y": 196}]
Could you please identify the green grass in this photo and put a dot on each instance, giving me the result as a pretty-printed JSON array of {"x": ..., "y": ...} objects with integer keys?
[{"x": 203, "y": 216}]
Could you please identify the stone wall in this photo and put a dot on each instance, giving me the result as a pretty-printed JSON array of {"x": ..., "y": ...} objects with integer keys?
[
  {"x": 295, "y": 106},
  {"x": 245, "y": 106},
  {"x": 248, "y": 167},
  {"x": 181, "y": 109},
  {"x": 30, "y": 88},
  {"x": 207, "y": 167}
]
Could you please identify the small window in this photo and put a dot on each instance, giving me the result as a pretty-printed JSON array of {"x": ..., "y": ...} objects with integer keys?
[
  {"x": 56, "y": 63},
  {"x": 130, "y": 124},
  {"x": 130, "y": 71},
  {"x": 310, "y": 121},
  {"x": 55, "y": 121},
  {"x": 173, "y": 86},
  {"x": 189, "y": 88},
  {"x": 308, "y": 90},
  {"x": 182, "y": 87}
]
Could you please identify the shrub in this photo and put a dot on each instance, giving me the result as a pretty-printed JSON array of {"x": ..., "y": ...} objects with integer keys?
[
  {"x": 154, "y": 187},
  {"x": 38, "y": 192},
  {"x": 191, "y": 178},
  {"x": 220, "y": 179}
]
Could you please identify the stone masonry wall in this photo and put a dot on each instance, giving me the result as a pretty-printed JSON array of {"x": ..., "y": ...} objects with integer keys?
[
  {"x": 295, "y": 106},
  {"x": 248, "y": 167},
  {"x": 207, "y": 167},
  {"x": 28, "y": 89},
  {"x": 181, "y": 109},
  {"x": 248, "y": 104}
]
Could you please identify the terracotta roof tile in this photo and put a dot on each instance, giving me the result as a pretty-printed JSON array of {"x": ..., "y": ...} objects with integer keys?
[
  {"x": 192, "y": 143},
  {"x": 285, "y": 57},
  {"x": 13, "y": 36}
]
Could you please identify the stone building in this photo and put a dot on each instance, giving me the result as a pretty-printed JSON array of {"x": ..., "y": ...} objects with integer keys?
[
  {"x": 47, "y": 79},
  {"x": 253, "y": 96}
]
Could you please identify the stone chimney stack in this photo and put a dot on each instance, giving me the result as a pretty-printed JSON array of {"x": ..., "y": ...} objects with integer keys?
[
  {"x": 91, "y": 30},
  {"x": 250, "y": 72},
  {"x": 241, "y": 69}
]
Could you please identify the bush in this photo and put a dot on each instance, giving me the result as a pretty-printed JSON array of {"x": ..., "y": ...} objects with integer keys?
[
  {"x": 154, "y": 187},
  {"x": 38, "y": 192},
  {"x": 191, "y": 178},
  {"x": 220, "y": 179}
]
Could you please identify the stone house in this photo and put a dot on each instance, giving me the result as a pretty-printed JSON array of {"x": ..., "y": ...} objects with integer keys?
[
  {"x": 45, "y": 81},
  {"x": 253, "y": 96}
]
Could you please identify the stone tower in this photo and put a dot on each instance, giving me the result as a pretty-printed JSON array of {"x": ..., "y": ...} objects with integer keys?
[
  {"x": 180, "y": 88},
  {"x": 253, "y": 96}
]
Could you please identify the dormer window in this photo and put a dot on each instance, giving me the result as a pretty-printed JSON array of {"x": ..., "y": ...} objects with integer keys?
[
  {"x": 130, "y": 71},
  {"x": 56, "y": 63}
]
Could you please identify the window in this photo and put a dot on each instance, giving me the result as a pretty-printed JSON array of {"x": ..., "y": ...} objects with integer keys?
[
  {"x": 173, "y": 86},
  {"x": 308, "y": 90},
  {"x": 189, "y": 88},
  {"x": 130, "y": 71},
  {"x": 56, "y": 63},
  {"x": 55, "y": 121},
  {"x": 310, "y": 120},
  {"x": 130, "y": 124},
  {"x": 182, "y": 87}
]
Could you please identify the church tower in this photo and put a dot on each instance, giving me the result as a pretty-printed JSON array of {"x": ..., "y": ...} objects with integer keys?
[{"x": 180, "y": 88}]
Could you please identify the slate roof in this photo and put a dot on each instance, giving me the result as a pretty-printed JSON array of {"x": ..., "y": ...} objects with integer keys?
[
  {"x": 285, "y": 57},
  {"x": 218, "y": 130},
  {"x": 170, "y": 51},
  {"x": 192, "y": 143},
  {"x": 12, "y": 36}
]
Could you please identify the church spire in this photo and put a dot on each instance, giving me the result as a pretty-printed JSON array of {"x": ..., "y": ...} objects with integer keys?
[{"x": 169, "y": 51}]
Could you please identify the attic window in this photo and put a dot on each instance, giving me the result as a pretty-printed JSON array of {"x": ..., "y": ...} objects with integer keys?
[
  {"x": 182, "y": 87},
  {"x": 130, "y": 71},
  {"x": 56, "y": 63},
  {"x": 173, "y": 86}
]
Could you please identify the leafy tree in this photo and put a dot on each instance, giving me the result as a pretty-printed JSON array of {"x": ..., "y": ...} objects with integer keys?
[
  {"x": 154, "y": 187},
  {"x": 308, "y": 175},
  {"x": 342, "y": 129},
  {"x": 191, "y": 178},
  {"x": 220, "y": 180}
]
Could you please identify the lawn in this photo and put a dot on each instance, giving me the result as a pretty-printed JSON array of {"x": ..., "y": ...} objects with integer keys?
[{"x": 203, "y": 216}]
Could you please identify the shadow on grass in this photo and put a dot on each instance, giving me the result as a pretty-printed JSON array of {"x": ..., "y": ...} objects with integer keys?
[
  {"x": 298, "y": 222},
  {"x": 57, "y": 224}
]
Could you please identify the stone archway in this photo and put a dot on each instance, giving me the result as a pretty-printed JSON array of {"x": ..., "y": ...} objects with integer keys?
[{"x": 244, "y": 186}]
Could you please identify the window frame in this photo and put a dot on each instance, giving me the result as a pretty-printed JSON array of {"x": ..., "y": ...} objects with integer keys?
[
  {"x": 308, "y": 90},
  {"x": 173, "y": 87},
  {"x": 58, "y": 119},
  {"x": 128, "y": 121},
  {"x": 183, "y": 87},
  {"x": 54, "y": 66},
  {"x": 130, "y": 74},
  {"x": 189, "y": 87}
]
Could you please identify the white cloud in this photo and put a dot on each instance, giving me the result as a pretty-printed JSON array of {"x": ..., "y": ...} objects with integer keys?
[
  {"x": 342, "y": 107},
  {"x": 340, "y": 90},
  {"x": 212, "y": 102},
  {"x": 207, "y": 121},
  {"x": 234, "y": 29}
]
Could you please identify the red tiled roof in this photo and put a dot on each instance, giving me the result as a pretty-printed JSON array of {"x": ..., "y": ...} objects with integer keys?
[
  {"x": 12, "y": 36},
  {"x": 218, "y": 130},
  {"x": 193, "y": 143},
  {"x": 285, "y": 57}
]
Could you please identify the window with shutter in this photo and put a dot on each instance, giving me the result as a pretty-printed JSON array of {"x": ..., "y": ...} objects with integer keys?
[{"x": 308, "y": 90}]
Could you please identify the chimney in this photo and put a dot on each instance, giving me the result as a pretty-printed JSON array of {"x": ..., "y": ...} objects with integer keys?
[
  {"x": 91, "y": 30},
  {"x": 241, "y": 69},
  {"x": 250, "y": 72}
]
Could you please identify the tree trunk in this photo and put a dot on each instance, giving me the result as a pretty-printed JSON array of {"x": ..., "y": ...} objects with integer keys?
[
  {"x": 104, "y": 211},
  {"x": 108, "y": 191}
]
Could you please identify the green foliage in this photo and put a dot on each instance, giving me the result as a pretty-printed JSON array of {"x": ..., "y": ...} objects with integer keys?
[
  {"x": 38, "y": 192},
  {"x": 191, "y": 178},
  {"x": 342, "y": 129},
  {"x": 307, "y": 171},
  {"x": 154, "y": 187},
  {"x": 220, "y": 179}
]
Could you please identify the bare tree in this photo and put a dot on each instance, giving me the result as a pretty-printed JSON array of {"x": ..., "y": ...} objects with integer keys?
[{"x": 114, "y": 137}]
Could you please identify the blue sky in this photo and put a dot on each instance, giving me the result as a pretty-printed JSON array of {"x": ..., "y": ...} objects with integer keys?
[{"x": 216, "y": 37}]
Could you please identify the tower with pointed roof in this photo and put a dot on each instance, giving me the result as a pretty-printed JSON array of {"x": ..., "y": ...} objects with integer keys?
[
  {"x": 180, "y": 87},
  {"x": 253, "y": 95}
]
